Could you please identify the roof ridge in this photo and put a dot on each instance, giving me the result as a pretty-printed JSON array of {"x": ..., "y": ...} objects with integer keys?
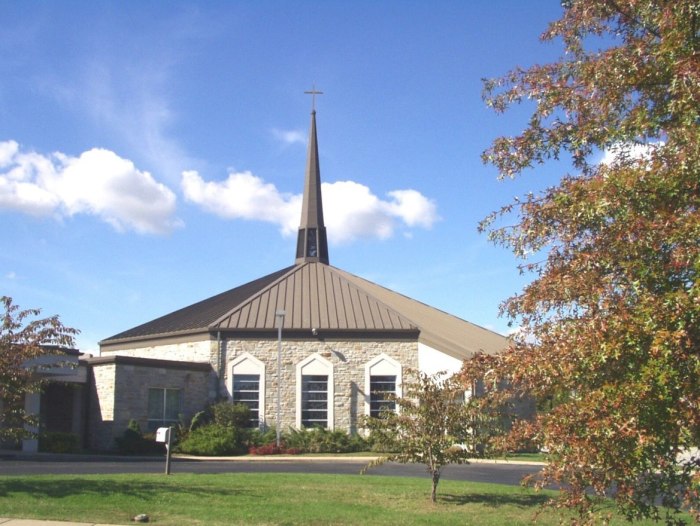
[
  {"x": 340, "y": 271},
  {"x": 293, "y": 269}
]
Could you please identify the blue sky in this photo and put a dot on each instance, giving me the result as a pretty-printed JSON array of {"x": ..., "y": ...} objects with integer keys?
[{"x": 152, "y": 153}]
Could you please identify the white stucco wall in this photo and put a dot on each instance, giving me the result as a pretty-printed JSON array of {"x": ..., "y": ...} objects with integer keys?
[{"x": 431, "y": 361}]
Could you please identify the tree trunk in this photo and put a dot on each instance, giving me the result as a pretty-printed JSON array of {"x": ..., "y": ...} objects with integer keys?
[{"x": 436, "y": 479}]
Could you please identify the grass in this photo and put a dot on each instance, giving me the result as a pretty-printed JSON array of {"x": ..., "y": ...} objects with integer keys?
[{"x": 265, "y": 499}]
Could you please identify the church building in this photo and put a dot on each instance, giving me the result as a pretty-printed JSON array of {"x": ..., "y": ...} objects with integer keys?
[{"x": 318, "y": 344}]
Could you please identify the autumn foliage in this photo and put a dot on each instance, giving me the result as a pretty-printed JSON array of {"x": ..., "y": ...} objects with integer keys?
[
  {"x": 609, "y": 327},
  {"x": 23, "y": 338}
]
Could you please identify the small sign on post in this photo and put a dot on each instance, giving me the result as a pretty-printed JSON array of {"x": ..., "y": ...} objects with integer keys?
[{"x": 165, "y": 435}]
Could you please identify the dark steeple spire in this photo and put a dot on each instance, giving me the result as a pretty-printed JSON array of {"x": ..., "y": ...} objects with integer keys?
[{"x": 312, "y": 244}]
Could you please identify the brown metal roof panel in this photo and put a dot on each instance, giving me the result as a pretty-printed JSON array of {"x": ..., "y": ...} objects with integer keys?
[
  {"x": 446, "y": 332},
  {"x": 325, "y": 306},
  {"x": 331, "y": 307},
  {"x": 339, "y": 302},
  {"x": 200, "y": 315},
  {"x": 315, "y": 299},
  {"x": 363, "y": 306}
]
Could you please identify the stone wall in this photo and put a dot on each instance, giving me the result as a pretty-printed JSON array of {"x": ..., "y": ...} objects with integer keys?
[
  {"x": 101, "y": 405},
  {"x": 199, "y": 351},
  {"x": 120, "y": 393},
  {"x": 347, "y": 358},
  {"x": 134, "y": 381}
]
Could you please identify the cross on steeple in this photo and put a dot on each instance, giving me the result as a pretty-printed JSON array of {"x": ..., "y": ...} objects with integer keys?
[{"x": 313, "y": 92}]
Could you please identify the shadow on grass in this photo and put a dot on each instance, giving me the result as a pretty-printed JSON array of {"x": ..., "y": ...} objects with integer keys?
[
  {"x": 142, "y": 489},
  {"x": 493, "y": 501}
]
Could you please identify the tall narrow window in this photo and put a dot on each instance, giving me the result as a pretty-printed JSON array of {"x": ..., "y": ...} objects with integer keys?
[
  {"x": 246, "y": 391},
  {"x": 382, "y": 378},
  {"x": 246, "y": 385},
  {"x": 381, "y": 387},
  {"x": 164, "y": 407},
  {"x": 314, "y": 401},
  {"x": 315, "y": 393}
]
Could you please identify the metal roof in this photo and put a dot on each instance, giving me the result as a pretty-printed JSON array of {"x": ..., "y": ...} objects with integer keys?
[
  {"x": 322, "y": 297},
  {"x": 198, "y": 316},
  {"x": 314, "y": 296}
]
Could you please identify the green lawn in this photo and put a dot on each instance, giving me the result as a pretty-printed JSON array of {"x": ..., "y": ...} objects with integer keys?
[{"x": 244, "y": 498}]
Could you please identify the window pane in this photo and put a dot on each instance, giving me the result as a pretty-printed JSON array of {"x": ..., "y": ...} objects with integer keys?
[
  {"x": 155, "y": 404},
  {"x": 314, "y": 400},
  {"x": 246, "y": 390},
  {"x": 172, "y": 405},
  {"x": 380, "y": 389}
]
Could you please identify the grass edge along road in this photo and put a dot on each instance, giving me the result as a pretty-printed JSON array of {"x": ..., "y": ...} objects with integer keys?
[{"x": 267, "y": 498}]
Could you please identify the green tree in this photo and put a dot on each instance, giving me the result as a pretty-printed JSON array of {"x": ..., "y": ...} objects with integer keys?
[
  {"x": 433, "y": 425},
  {"x": 610, "y": 324},
  {"x": 23, "y": 338}
]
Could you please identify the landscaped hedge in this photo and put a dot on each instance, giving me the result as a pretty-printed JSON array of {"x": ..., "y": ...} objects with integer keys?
[{"x": 214, "y": 440}]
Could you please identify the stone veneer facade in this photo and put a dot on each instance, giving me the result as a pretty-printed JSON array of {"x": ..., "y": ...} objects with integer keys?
[
  {"x": 119, "y": 393},
  {"x": 346, "y": 359}
]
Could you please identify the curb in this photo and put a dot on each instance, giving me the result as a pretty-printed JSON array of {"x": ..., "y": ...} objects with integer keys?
[{"x": 88, "y": 457}]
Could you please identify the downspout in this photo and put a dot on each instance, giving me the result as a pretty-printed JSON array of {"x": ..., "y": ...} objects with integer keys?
[{"x": 219, "y": 365}]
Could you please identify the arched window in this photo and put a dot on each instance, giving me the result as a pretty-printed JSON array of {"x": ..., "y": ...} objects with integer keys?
[
  {"x": 382, "y": 377},
  {"x": 315, "y": 392},
  {"x": 246, "y": 384}
]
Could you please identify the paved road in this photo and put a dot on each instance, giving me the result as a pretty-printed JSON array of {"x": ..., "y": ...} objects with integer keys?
[{"x": 504, "y": 473}]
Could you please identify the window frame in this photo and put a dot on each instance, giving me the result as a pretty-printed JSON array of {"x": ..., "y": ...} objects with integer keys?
[
  {"x": 382, "y": 365},
  {"x": 247, "y": 364},
  {"x": 163, "y": 421},
  {"x": 315, "y": 365}
]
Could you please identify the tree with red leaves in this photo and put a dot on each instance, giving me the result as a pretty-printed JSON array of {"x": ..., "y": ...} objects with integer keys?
[{"x": 609, "y": 327}]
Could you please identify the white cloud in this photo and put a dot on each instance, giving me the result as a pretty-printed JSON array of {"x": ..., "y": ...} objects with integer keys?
[
  {"x": 243, "y": 196},
  {"x": 351, "y": 210},
  {"x": 98, "y": 183},
  {"x": 413, "y": 208},
  {"x": 628, "y": 151},
  {"x": 289, "y": 136}
]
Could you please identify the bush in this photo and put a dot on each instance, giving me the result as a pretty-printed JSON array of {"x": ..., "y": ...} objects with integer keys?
[
  {"x": 214, "y": 440},
  {"x": 272, "y": 449},
  {"x": 258, "y": 437},
  {"x": 133, "y": 441},
  {"x": 321, "y": 440},
  {"x": 57, "y": 442},
  {"x": 231, "y": 415}
]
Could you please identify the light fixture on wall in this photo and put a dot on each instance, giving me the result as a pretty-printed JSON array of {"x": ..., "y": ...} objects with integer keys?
[{"x": 279, "y": 318}]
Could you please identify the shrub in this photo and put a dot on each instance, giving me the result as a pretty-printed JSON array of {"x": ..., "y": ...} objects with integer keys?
[
  {"x": 133, "y": 441},
  {"x": 232, "y": 415},
  {"x": 58, "y": 442},
  {"x": 258, "y": 437},
  {"x": 321, "y": 440},
  {"x": 214, "y": 440},
  {"x": 272, "y": 449}
]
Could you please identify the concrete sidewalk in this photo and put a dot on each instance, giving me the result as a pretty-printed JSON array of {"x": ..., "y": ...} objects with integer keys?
[{"x": 37, "y": 522}]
